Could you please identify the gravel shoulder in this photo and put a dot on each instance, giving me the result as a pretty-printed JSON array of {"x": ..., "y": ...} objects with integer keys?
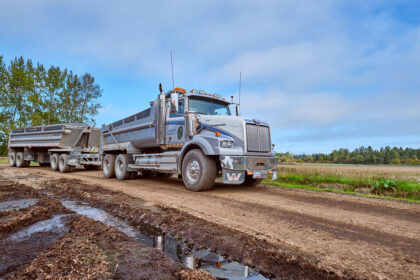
[{"x": 342, "y": 235}]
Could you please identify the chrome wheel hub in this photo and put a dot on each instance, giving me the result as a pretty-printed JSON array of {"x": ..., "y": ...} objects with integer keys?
[{"x": 193, "y": 170}]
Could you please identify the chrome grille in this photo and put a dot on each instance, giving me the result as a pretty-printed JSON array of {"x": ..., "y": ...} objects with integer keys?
[{"x": 258, "y": 138}]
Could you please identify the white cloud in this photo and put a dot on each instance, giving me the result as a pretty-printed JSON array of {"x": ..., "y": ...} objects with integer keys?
[{"x": 307, "y": 65}]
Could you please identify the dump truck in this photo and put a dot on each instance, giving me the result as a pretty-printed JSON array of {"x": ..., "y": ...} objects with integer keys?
[
  {"x": 61, "y": 146},
  {"x": 194, "y": 135}
]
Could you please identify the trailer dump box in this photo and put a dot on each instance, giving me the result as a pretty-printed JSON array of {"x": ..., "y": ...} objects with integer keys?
[
  {"x": 65, "y": 145},
  {"x": 52, "y": 136}
]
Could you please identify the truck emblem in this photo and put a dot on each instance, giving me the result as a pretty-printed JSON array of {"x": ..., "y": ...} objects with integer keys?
[
  {"x": 233, "y": 176},
  {"x": 180, "y": 132}
]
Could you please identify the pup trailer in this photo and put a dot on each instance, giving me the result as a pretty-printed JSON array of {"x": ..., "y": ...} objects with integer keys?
[
  {"x": 61, "y": 146},
  {"x": 193, "y": 135}
]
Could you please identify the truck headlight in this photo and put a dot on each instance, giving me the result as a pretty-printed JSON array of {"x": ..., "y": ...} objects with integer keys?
[{"x": 226, "y": 143}]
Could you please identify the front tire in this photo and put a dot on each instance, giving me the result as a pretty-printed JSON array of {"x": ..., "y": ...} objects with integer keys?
[
  {"x": 54, "y": 162},
  {"x": 198, "y": 171},
  {"x": 108, "y": 166},
  {"x": 121, "y": 165},
  {"x": 12, "y": 159},
  {"x": 249, "y": 181}
]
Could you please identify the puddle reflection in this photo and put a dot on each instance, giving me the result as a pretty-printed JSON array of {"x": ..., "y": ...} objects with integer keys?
[
  {"x": 17, "y": 204},
  {"x": 174, "y": 248}
]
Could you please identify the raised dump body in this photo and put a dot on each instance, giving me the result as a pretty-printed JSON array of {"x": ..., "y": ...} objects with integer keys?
[{"x": 72, "y": 144}]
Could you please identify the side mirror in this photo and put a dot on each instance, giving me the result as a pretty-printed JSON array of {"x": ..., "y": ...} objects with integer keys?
[
  {"x": 160, "y": 88},
  {"x": 174, "y": 102},
  {"x": 237, "y": 110}
]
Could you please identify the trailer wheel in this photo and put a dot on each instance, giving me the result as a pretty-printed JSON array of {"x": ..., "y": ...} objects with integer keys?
[
  {"x": 121, "y": 165},
  {"x": 62, "y": 165},
  {"x": 12, "y": 159},
  {"x": 54, "y": 162},
  {"x": 108, "y": 166},
  {"x": 249, "y": 181},
  {"x": 198, "y": 171},
  {"x": 20, "y": 161}
]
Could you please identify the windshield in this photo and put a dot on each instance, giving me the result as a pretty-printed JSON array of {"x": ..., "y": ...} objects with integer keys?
[{"x": 208, "y": 106}]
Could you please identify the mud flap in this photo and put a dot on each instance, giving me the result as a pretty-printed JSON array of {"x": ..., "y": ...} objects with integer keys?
[
  {"x": 73, "y": 160},
  {"x": 275, "y": 175},
  {"x": 233, "y": 177}
]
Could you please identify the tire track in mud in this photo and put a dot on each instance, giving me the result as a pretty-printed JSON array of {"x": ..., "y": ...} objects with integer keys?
[
  {"x": 338, "y": 230},
  {"x": 353, "y": 206}
]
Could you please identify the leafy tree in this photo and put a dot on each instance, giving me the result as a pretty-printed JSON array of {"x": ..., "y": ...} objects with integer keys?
[{"x": 33, "y": 95}]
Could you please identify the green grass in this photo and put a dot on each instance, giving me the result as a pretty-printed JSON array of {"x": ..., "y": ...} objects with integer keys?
[
  {"x": 3, "y": 161},
  {"x": 365, "y": 186}
]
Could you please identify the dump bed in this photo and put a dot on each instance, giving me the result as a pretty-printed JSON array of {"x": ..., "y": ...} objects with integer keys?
[
  {"x": 138, "y": 130},
  {"x": 55, "y": 136}
]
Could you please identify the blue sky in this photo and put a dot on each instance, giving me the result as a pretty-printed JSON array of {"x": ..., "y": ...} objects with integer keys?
[{"x": 324, "y": 74}]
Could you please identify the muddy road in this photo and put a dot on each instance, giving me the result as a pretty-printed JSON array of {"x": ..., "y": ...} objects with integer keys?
[{"x": 281, "y": 233}]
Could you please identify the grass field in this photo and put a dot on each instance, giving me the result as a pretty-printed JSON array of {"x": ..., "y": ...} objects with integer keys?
[{"x": 401, "y": 182}]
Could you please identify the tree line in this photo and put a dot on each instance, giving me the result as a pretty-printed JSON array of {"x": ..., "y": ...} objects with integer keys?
[
  {"x": 362, "y": 155},
  {"x": 32, "y": 95}
]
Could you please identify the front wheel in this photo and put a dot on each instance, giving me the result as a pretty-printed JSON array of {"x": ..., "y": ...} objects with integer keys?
[
  {"x": 249, "y": 181},
  {"x": 198, "y": 171}
]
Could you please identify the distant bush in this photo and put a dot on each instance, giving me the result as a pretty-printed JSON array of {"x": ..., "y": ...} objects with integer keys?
[{"x": 362, "y": 155}]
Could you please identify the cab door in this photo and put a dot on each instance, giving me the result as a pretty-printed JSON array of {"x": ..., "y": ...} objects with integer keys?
[{"x": 175, "y": 125}]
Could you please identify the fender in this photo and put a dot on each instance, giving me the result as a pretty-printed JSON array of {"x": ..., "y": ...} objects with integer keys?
[{"x": 203, "y": 145}]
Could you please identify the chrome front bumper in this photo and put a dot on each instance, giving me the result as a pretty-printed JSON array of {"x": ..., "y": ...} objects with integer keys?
[{"x": 258, "y": 167}]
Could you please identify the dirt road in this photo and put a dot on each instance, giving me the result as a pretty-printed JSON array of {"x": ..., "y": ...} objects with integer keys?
[{"x": 349, "y": 235}]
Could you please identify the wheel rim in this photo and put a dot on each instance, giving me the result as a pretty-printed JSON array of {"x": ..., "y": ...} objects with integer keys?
[{"x": 193, "y": 170}]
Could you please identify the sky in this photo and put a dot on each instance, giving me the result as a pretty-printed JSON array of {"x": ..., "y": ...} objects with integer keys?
[{"x": 323, "y": 74}]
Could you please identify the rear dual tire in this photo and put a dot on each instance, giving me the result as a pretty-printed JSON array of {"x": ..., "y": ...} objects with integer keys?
[
  {"x": 62, "y": 164},
  {"x": 108, "y": 166},
  {"x": 20, "y": 160},
  {"x": 54, "y": 162},
  {"x": 121, "y": 166},
  {"x": 12, "y": 159}
]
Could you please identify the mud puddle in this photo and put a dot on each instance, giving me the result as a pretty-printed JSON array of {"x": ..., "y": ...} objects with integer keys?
[
  {"x": 55, "y": 225},
  {"x": 12, "y": 205},
  {"x": 21, "y": 247},
  {"x": 175, "y": 248}
]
